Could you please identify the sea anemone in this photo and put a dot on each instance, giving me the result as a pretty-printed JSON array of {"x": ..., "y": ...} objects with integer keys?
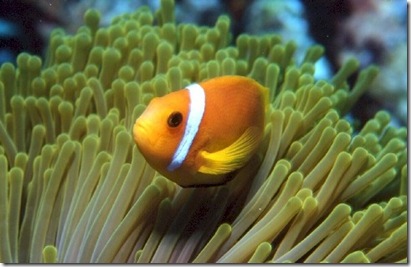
[{"x": 74, "y": 187}]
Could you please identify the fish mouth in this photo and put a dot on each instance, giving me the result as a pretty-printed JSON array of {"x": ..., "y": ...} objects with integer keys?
[{"x": 141, "y": 133}]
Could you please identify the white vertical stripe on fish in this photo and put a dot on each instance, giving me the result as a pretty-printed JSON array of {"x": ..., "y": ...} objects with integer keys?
[{"x": 195, "y": 115}]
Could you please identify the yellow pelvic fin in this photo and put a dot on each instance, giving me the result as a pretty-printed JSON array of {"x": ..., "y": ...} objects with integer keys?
[{"x": 233, "y": 156}]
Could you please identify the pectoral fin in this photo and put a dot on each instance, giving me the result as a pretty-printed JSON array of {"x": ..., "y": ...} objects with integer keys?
[{"x": 233, "y": 156}]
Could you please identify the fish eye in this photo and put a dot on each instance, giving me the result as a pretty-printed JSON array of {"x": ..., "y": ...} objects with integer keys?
[{"x": 175, "y": 119}]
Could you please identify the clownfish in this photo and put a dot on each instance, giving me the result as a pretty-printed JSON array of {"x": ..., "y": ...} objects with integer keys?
[{"x": 198, "y": 135}]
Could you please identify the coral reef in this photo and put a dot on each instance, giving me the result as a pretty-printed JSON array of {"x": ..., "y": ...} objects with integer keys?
[
  {"x": 388, "y": 50},
  {"x": 374, "y": 32},
  {"x": 74, "y": 187},
  {"x": 287, "y": 19}
]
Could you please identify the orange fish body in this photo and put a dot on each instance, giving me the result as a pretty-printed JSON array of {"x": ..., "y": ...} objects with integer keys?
[{"x": 198, "y": 135}]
